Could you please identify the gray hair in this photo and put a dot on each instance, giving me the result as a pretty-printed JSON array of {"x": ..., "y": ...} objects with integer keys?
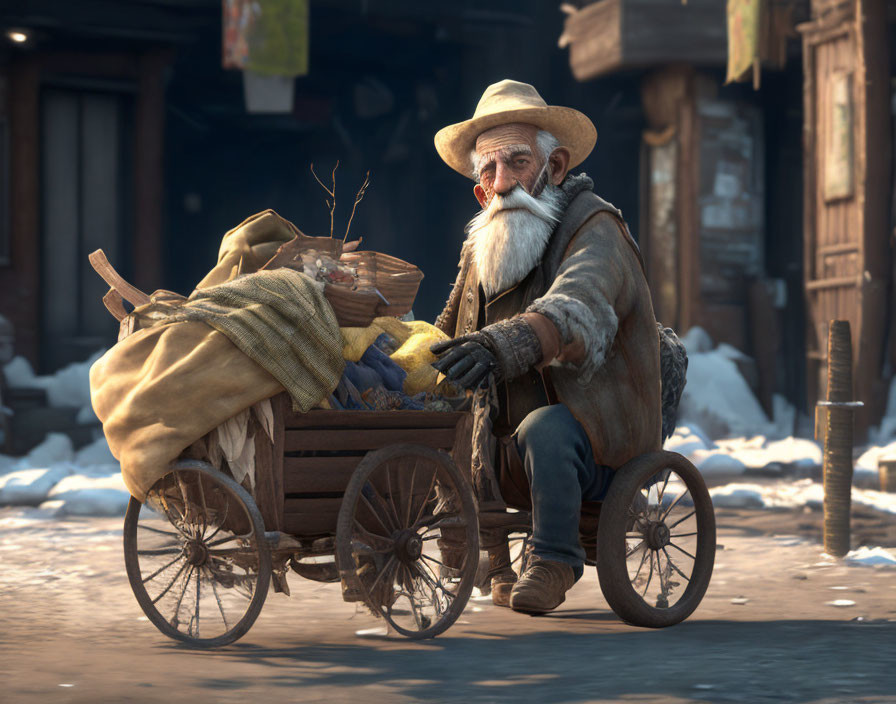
[{"x": 544, "y": 140}]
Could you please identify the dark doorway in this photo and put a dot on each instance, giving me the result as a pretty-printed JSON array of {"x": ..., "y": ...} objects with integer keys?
[{"x": 86, "y": 172}]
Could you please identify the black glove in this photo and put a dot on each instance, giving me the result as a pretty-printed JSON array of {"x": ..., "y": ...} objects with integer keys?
[
  {"x": 509, "y": 348},
  {"x": 466, "y": 361}
]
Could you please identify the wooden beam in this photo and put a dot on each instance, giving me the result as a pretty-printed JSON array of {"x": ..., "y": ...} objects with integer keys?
[
  {"x": 689, "y": 313},
  {"x": 149, "y": 146},
  {"x": 105, "y": 65},
  {"x": 20, "y": 283}
]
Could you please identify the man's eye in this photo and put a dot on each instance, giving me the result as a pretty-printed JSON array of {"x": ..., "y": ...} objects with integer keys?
[{"x": 520, "y": 161}]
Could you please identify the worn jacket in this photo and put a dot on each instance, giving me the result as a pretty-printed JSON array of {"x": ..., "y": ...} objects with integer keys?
[{"x": 590, "y": 284}]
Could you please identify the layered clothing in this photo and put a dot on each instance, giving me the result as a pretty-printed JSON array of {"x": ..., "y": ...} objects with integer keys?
[{"x": 591, "y": 286}]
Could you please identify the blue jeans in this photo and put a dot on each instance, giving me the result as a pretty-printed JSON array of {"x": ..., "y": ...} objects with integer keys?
[{"x": 559, "y": 464}]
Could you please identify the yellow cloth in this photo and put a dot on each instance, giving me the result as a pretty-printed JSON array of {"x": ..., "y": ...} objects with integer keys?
[
  {"x": 248, "y": 246},
  {"x": 743, "y": 37},
  {"x": 170, "y": 383},
  {"x": 178, "y": 377},
  {"x": 413, "y": 355},
  {"x": 281, "y": 320},
  {"x": 162, "y": 388}
]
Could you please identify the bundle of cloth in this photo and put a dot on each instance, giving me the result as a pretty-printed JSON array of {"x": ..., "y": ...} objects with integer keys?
[{"x": 200, "y": 369}]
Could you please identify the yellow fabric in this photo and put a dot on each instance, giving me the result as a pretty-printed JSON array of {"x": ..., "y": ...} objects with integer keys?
[
  {"x": 743, "y": 37},
  {"x": 262, "y": 313},
  {"x": 248, "y": 246},
  {"x": 414, "y": 339},
  {"x": 177, "y": 377},
  {"x": 162, "y": 388}
]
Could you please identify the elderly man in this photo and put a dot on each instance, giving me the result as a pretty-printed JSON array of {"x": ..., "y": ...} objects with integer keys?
[{"x": 552, "y": 322}]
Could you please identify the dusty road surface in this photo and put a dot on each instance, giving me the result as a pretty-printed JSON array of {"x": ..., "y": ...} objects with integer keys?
[{"x": 71, "y": 631}]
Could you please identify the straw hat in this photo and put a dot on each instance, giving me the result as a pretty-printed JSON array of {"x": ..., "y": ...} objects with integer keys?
[{"x": 511, "y": 101}]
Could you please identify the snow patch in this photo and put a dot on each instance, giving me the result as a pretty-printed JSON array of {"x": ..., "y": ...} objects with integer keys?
[
  {"x": 715, "y": 463},
  {"x": 696, "y": 340},
  {"x": 29, "y": 487},
  {"x": 792, "y": 495},
  {"x": 718, "y": 399},
  {"x": 70, "y": 386},
  {"x": 55, "y": 448},
  {"x": 97, "y": 452},
  {"x": 867, "y": 462},
  {"x": 871, "y": 556}
]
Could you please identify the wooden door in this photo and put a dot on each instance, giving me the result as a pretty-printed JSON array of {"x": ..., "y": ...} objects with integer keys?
[
  {"x": 845, "y": 212},
  {"x": 85, "y": 206}
]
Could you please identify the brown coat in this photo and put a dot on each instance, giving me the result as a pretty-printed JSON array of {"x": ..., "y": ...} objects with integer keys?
[{"x": 591, "y": 284}]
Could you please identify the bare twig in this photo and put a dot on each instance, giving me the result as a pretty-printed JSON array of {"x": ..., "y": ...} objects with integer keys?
[
  {"x": 358, "y": 198},
  {"x": 331, "y": 204}
]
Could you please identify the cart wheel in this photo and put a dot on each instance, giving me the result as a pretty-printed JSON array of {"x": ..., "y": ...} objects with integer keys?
[
  {"x": 656, "y": 540},
  {"x": 195, "y": 549},
  {"x": 395, "y": 506}
]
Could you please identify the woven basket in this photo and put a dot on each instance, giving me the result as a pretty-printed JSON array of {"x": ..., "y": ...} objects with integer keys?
[
  {"x": 397, "y": 280},
  {"x": 290, "y": 253},
  {"x": 353, "y": 309}
]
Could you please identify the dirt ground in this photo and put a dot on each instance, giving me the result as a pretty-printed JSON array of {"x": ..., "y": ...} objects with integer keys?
[{"x": 71, "y": 631}]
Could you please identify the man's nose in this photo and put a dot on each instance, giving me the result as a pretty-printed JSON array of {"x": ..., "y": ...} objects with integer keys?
[{"x": 504, "y": 179}]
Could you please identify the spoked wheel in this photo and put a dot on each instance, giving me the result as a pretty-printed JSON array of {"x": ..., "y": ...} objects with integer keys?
[
  {"x": 196, "y": 556},
  {"x": 400, "y": 502},
  {"x": 656, "y": 540}
]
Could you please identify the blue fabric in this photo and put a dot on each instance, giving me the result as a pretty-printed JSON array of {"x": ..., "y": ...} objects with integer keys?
[
  {"x": 347, "y": 396},
  {"x": 375, "y": 370},
  {"x": 559, "y": 463},
  {"x": 391, "y": 375},
  {"x": 361, "y": 376}
]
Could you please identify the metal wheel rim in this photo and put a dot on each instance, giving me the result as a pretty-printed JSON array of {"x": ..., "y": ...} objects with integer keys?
[
  {"x": 422, "y": 597},
  {"x": 661, "y": 540},
  {"x": 197, "y": 580}
]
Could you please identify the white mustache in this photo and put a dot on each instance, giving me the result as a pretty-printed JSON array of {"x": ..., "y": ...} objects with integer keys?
[{"x": 518, "y": 198}]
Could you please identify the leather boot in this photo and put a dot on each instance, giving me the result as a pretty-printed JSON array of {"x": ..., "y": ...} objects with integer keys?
[
  {"x": 502, "y": 575},
  {"x": 542, "y": 587}
]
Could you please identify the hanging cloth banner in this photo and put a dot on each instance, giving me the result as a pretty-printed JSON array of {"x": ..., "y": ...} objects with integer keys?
[
  {"x": 267, "y": 37},
  {"x": 744, "y": 17}
]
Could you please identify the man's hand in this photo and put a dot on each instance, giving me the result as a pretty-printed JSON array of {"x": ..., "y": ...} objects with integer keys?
[
  {"x": 466, "y": 361},
  {"x": 509, "y": 348}
]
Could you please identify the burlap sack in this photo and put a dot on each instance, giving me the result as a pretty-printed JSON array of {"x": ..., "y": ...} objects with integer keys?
[
  {"x": 161, "y": 389},
  {"x": 168, "y": 384}
]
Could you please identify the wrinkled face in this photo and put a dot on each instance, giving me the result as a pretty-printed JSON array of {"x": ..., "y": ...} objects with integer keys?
[{"x": 508, "y": 155}]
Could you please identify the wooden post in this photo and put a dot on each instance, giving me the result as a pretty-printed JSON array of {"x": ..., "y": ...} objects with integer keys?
[
  {"x": 20, "y": 284},
  {"x": 838, "y": 440},
  {"x": 886, "y": 471},
  {"x": 148, "y": 170}
]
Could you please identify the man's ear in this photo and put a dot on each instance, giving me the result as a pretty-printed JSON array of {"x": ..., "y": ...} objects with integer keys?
[
  {"x": 559, "y": 165},
  {"x": 479, "y": 192}
]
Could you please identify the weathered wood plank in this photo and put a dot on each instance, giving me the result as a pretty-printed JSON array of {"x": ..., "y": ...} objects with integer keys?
[
  {"x": 279, "y": 404},
  {"x": 308, "y": 524},
  {"x": 268, "y": 496},
  {"x": 314, "y": 505},
  {"x": 317, "y": 474},
  {"x": 365, "y": 439},
  {"x": 359, "y": 420},
  {"x": 611, "y": 34}
]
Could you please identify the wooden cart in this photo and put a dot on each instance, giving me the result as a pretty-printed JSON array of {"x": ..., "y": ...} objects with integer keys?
[
  {"x": 377, "y": 501},
  {"x": 369, "y": 491}
]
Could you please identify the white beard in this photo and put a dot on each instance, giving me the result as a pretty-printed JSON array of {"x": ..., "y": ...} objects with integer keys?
[{"x": 509, "y": 237}]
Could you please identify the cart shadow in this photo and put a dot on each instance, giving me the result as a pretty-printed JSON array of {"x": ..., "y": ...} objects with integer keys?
[{"x": 792, "y": 660}]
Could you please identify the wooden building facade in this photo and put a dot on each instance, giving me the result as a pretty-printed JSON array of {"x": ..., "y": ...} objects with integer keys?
[
  {"x": 767, "y": 213},
  {"x": 83, "y": 114},
  {"x": 847, "y": 203}
]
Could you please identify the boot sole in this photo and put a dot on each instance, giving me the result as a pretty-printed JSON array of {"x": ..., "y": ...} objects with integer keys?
[{"x": 534, "y": 611}]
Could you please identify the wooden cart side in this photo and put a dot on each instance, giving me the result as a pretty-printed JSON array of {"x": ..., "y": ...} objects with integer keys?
[
  {"x": 321, "y": 449},
  {"x": 269, "y": 468}
]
